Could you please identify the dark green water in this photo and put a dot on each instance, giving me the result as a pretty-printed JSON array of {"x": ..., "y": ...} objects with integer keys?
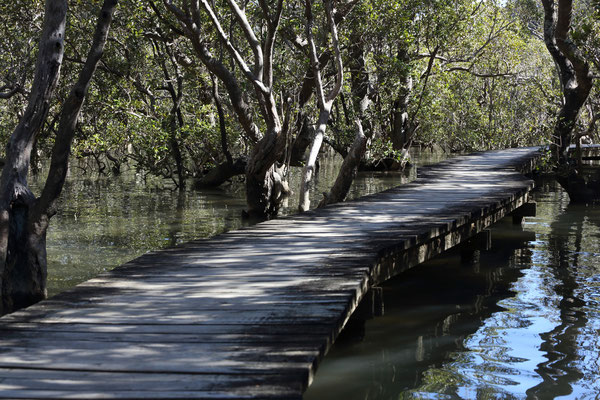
[{"x": 522, "y": 321}]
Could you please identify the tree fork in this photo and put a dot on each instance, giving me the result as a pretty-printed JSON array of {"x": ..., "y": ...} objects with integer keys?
[{"x": 261, "y": 177}]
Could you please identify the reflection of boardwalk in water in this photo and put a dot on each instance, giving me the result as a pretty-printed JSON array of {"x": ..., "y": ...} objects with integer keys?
[{"x": 249, "y": 313}]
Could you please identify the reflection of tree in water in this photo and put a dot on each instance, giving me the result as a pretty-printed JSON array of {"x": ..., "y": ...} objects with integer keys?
[
  {"x": 500, "y": 267},
  {"x": 561, "y": 344},
  {"x": 173, "y": 233}
]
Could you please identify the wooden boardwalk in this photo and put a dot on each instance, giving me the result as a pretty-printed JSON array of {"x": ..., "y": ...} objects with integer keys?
[
  {"x": 249, "y": 313},
  {"x": 590, "y": 153}
]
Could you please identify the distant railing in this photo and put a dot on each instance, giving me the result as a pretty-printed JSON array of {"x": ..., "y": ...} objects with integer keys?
[{"x": 590, "y": 154}]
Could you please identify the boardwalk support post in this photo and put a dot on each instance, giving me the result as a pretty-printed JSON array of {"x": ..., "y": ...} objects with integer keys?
[
  {"x": 371, "y": 305},
  {"x": 526, "y": 210},
  {"x": 481, "y": 241}
]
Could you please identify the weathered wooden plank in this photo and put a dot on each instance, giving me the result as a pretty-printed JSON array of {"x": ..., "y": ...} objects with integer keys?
[
  {"x": 291, "y": 336},
  {"x": 108, "y": 315},
  {"x": 246, "y": 330},
  {"x": 283, "y": 358},
  {"x": 87, "y": 393},
  {"x": 71, "y": 381}
]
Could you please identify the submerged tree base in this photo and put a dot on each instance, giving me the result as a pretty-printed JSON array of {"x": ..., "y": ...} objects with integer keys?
[
  {"x": 382, "y": 165},
  {"x": 582, "y": 185}
]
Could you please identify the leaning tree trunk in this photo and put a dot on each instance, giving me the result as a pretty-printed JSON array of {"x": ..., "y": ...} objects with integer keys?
[
  {"x": 309, "y": 167},
  {"x": 25, "y": 219},
  {"x": 15, "y": 197},
  {"x": 262, "y": 179},
  {"x": 305, "y": 131},
  {"x": 343, "y": 182},
  {"x": 361, "y": 99},
  {"x": 400, "y": 132},
  {"x": 222, "y": 173},
  {"x": 574, "y": 72},
  {"x": 325, "y": 102}
]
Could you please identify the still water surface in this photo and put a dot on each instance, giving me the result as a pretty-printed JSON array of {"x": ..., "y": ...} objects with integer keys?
[{"x": 522, "y": 320}]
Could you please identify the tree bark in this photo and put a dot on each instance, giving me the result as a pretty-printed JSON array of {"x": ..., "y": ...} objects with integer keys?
[
  {"x": 311, "y": 160},
  {"x": 325, "y": 102},
  {"x": 574, "y": 72},
  {"x": 262, "y": 179},
  {"x": 24, "y": 261},
  {"x": 302, "y": 141},
  {"x": 361, "y": 99},
  {"x": 15, "y": 196},
  {"x": 261, "y": 176},
  {"x": 348, "y": 170},
  {"x": 304, "y": 131},
  {"x": 359, "y": 77},
  {"x": 221, "y": 173}
]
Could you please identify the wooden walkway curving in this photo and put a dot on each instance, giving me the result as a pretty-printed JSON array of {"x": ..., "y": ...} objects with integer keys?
[{"x": 249, "y": 313}]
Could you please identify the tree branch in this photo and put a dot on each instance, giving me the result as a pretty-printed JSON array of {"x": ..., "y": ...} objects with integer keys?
[
  {"x": 162, "y": 18},
  {"x": 233, "y": 51},
  {"x": 482, "y": 75},
  {"x": 313, "y": 53},
  {"x": 8, "y": 91},
  {"x": 336, "y": 47},
  {"x": 46, "y": 205},
  {"x": 215, "y": 66},
  {"x": 240, "y": 16},
  {"x": 273, "y": 25},
  {"x": 424, "y": 88},
  {"x": 567, "y": 47}
]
